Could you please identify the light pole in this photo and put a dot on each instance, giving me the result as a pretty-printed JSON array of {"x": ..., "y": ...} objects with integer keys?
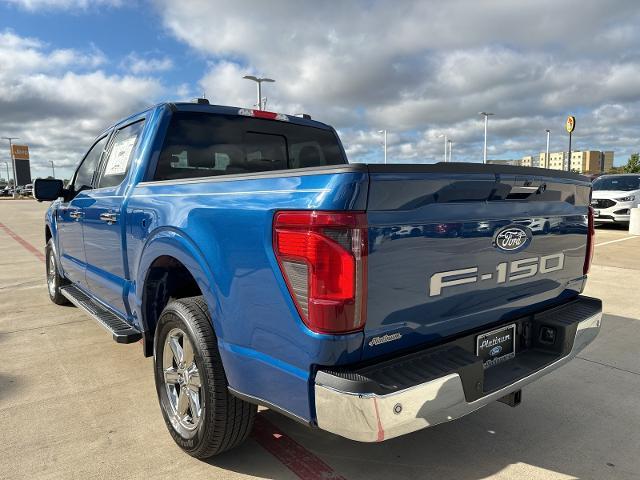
[
  {"x": 259, "y": 81},
  {"x": 450, "y": 142},
  {"x": 546, "y": 157},
  {"x": 53, "y": 169},
  {"x": 486, "y": 123},
  {"x": 385, "y": 144},
  {"x": 6, "y": 164},
  {"x": 445, "y": 145},
  {"x": 13, "y": 165}
]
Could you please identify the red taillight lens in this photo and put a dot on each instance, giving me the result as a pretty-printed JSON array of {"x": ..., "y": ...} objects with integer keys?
[
  {"x": 590, "y": 242},
  {"x": 322, "y": 256}
]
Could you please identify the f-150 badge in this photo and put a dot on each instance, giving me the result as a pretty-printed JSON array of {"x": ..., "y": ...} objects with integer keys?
[{"x": 504, "y": 272}]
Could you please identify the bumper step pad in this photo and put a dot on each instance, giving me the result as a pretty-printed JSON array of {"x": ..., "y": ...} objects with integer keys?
[
  {"x": 457, "y": 357},
  {"x": 121, "y": 331}
]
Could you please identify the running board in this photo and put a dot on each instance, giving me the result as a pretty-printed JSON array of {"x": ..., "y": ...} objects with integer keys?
[{"x": 122, "y": 332}]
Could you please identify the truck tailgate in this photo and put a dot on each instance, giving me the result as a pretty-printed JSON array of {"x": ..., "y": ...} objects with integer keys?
[{"x": 456, "y": 248}]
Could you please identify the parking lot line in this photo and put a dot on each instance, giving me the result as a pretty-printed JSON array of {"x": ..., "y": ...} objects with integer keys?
[
  {"x": 294, "y": 456},
  {"x": 23, "y": 242},
  {"x": 614, "y": 241}
]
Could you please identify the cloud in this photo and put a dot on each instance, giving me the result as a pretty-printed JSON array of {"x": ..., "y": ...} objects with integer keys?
[
  {"x": 136, "y": 64},
  {"x": 420, "y": 67},
  {"x": 37, "y": 5},
  {"x": 23, "y": 55},
  {"x": 58, "y": 100}
]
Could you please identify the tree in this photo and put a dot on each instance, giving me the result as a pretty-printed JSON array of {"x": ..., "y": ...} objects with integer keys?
[{"x": 633, "y": 165}]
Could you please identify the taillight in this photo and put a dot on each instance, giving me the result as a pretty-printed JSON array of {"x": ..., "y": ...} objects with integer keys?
[
  {"x": 591, "y": 232},
  {"x": 323, "y": 256}
]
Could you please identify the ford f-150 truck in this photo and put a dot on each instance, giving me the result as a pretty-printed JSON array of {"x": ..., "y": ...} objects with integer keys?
[{"x": 259, "y": 267}]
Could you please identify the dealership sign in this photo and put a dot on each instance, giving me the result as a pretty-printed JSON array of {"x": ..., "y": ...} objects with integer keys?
[{"x": 20, "y": 152}]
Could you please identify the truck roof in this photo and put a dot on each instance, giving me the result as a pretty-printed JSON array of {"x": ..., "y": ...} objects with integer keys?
[
  {"x": 219, "y": 109},
  {"x": 231, "y": 110}
]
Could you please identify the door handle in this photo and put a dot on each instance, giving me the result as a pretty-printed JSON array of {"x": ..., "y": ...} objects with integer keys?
[
  {"x": 109, "y": 217},
  {"x": 76, "y": 214}
]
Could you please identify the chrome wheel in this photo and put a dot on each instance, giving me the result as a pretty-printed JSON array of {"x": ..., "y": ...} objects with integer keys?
[
  {"x": 51, "y": 275},
  {"x": 182, "y": 382}
]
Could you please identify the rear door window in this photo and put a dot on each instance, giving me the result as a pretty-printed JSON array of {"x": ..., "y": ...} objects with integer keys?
[{"x": 203, "y": 144}]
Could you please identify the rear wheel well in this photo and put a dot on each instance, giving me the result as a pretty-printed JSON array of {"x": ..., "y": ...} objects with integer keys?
[{"x": 167, "y": 279}]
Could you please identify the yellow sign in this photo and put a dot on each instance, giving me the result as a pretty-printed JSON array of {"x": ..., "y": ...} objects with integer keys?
[
  {"x": 571, "y": 124},
  {"x": 20, "y": 152}
]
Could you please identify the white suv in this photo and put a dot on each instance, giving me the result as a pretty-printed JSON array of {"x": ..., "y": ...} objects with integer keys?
[{"x": 614, "y": 196}]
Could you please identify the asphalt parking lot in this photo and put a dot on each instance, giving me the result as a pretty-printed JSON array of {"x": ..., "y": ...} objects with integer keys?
[{"x": 74, "y": 404}]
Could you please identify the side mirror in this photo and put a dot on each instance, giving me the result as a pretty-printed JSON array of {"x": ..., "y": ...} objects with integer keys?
[{"x": 47, "y": 189}]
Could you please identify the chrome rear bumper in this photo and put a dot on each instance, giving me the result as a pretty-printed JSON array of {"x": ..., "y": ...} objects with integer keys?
[{"x": 371, "y": 417}]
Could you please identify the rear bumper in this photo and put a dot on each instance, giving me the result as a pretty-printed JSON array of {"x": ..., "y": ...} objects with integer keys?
[{"x": 355, "y": 403}]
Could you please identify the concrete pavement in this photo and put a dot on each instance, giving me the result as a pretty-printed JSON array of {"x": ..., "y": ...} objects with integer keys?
[{"x": 74, "y": 404}]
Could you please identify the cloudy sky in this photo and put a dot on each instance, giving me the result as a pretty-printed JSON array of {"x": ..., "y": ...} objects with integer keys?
[{"x": 69, "y": 68}]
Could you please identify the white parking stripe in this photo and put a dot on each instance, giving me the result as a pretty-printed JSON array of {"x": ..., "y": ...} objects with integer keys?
[{"x": 614, "y": 241}]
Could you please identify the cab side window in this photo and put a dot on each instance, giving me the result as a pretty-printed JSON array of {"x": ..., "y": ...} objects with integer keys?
[
  {"x": 120, "y": 154},
  {"x": 86, "y": 170}
]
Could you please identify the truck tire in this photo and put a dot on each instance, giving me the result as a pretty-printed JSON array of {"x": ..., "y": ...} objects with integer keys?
[
  {"x": 203, "y": 418},
  {"x": 54, "y": 279}
]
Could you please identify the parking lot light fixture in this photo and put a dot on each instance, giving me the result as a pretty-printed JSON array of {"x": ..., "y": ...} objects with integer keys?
[
  {"x": 259, "y": 81},
  {"x": 445, "y": 145},
  {"x": 13, "y": 163},
  {"x": 6, "y": 164},
  {"x": 486, "y": 123},
  {"x": 384, "y": 132},
  {"x": 546, "y": 157}
]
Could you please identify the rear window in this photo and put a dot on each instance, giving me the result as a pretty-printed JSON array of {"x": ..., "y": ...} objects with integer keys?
[
  {"x": 621, "y": 182},
  {"x": 204, "y": 144}
]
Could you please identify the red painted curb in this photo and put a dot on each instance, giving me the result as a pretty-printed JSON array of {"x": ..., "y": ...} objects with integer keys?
[
  {"x": 294, "y": 456},
  {"x": 26, "y": 245}
]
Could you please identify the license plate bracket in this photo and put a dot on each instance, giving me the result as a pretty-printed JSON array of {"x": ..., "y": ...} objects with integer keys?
[{"x": 496, "y": 346}]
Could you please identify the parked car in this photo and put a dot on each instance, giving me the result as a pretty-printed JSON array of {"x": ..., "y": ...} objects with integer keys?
[
  {"x": 6, "y": 191},
  {"x": 235, "y": 244},
  {"x": 614, "y": 196},
  {"x": 27, "y": 190}
]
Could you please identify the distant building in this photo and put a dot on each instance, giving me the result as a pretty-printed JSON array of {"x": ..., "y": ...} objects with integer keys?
[
  {"x": 527, "y": 161},
  {"x": 587, "y": 162}
]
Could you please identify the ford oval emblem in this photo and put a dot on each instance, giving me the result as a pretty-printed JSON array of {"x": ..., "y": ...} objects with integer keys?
[
  {"x": 495, "y": 350},
  {"x": 512, "y": 238}
]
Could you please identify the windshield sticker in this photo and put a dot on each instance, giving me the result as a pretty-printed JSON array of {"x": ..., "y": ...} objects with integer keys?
[{"x": 119, "y": 156}]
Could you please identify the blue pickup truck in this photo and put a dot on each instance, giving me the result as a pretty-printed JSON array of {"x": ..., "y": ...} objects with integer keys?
[{"x": 259, "y": 267}]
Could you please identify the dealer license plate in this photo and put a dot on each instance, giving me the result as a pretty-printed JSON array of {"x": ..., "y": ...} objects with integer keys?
[{"x": 496, "y": 346}]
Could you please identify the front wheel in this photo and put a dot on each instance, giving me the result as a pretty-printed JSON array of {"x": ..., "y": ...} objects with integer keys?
[
  {"x": 54, "y": 279},
  {"x": 203, "y": 418}
]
